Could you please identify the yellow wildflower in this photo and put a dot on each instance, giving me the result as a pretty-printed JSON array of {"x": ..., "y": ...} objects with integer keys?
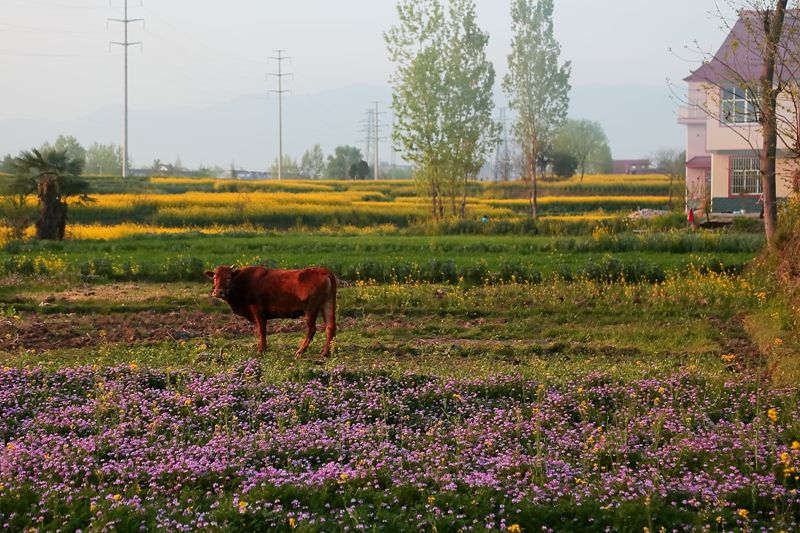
[
  {"x": 514, "y": 528},
  {"x": 242, "y": 506},
  {"x": 116, "y": 497},
  {"x": 292, "y": 522},
  {"x": 796, "y": 445},
  {"x": 743, "y": 513},
  {"x": 772, "y": 414}
]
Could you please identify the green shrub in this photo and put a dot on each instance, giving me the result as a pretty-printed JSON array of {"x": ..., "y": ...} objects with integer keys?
[
  {"x": 184, "y": 268},
  {"x": 102, "y": 268}
]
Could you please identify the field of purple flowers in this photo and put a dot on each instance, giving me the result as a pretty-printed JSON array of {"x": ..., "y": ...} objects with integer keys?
[{"x": 129, "y": 448}]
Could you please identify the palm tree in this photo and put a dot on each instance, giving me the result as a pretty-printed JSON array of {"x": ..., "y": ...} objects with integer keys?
[{"x": 53, "y": 176}]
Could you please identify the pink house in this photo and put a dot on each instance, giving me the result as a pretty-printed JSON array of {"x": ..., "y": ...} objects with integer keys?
[{"x": 722, "y": 135}]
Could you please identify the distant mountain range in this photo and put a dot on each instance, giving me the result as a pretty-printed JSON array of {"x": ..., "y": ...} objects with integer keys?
[{"x": 637, "y": 120}]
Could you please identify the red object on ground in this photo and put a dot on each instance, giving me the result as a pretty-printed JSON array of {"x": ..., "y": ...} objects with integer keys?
[{"x": 690, "y": 217}]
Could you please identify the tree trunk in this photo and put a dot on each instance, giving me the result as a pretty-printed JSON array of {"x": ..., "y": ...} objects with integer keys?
[
  {"x": 534, "y": 191},
  {"x": 433, "y": 203},
  {"x": 53, "y": 219},
  {"x": 464, "y": 198},
  {"x": 669, "y": 205},
  {"x": 583, "y": 167},
  {"x": 773, "y": 29}
]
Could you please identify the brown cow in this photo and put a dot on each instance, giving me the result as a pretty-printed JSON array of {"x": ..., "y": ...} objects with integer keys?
[{"x": 259, "y": 293}]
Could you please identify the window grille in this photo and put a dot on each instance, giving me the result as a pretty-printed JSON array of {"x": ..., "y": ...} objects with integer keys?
[{"x": 745, "y": 175}]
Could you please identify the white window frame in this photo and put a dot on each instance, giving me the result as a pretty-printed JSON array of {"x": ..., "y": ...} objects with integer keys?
[
  {"x": 736, "y": 105},
  {"x": 745, "y": 175}
]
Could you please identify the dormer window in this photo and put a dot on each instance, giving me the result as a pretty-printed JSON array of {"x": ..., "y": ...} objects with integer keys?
[{"x": 737, "y": 105}]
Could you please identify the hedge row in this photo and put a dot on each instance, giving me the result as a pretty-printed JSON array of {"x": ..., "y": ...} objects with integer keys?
[{"x": 434, "y": 271}]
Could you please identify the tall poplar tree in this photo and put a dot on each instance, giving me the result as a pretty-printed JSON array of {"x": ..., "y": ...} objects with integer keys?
[
  {"x": 537, "y": 85},
  {"x": 442, "y": 98}
]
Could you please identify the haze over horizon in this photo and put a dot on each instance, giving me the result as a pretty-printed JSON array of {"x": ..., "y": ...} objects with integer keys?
[{"x": 201, "y": 57}]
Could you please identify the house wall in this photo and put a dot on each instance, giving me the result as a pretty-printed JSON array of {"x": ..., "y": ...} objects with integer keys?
[
  {"x": 721, "y": 199},
  {"x": 695, "y": 188},
  {"x": 786, "y": 171},
  {"x": 695, "y": 140},
  {"x": 724, "y": 141},
  {"x": 695, "y": 121},
  {"x": 740, "y": 137}
]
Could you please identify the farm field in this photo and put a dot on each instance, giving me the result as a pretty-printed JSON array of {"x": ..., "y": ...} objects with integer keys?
[
  {"x": 204, "y": 203},
  {"x": 570, "y": 376},
  {"x": 619, "y": 405},
  {"x": 386, "y": 258}
]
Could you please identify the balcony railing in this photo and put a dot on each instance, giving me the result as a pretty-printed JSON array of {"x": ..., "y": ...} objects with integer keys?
[{"x": 691, "y": 113}]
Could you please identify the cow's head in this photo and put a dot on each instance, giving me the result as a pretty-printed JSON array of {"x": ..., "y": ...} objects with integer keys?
[{"x": 223, "y": 281}]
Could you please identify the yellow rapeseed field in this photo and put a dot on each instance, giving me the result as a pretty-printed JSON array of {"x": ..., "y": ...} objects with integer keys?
[{"x": 217, "y": 207}]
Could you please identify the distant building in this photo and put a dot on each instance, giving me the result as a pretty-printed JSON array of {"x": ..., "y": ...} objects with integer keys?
[
  {"x": 630, "y": 166},
  {"x": 141, "y": 172}
]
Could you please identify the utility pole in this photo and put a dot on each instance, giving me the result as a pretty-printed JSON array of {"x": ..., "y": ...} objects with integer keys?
[
  {"x": 280, "y": 75},
  {"x": 125, "y": 44}
]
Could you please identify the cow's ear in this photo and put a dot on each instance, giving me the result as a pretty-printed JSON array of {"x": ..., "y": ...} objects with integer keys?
[
  {"x": 235, "y": 272},
  {"x": 209, "y": 274}
]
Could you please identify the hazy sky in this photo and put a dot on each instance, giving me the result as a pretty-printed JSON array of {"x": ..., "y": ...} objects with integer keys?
[{"x": 56, "y": 61}]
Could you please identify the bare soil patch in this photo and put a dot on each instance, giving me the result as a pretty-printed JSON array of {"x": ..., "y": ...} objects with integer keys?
[{"x": 46, "y": 332}]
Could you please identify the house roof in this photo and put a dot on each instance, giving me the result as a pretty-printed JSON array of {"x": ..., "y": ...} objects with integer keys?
[
  {"x": 699, "y": 161},
  {"x": 740, "y": 55}
]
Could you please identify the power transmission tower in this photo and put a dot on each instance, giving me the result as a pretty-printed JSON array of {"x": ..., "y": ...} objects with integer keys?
[
  {"x": 367, "y": 131},
  {"x": 376, "y": 114},
  {"x": 280, "y": 75},
  {"x": 502, "y": 157},
  {"x": 125, "y": 44}
]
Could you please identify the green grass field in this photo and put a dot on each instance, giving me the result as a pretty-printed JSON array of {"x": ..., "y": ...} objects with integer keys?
[{"x": 387, "y": 258}]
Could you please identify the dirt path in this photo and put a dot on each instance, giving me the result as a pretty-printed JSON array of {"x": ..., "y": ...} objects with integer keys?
[
  {"x": 33, "y": 331},
  {"x": 42, "y": 332}
]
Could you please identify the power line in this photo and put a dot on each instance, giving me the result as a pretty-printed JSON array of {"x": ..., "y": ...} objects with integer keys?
[
  {"x": 280, "y": 75},
  {"x": 50, "y": 6},
  {"x": 14, "y": 28},
  {"x": 125, "y": 44},
  {"x": 15, "y": 53}
]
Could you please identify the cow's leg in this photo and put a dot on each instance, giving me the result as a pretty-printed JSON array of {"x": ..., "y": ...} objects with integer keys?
[
  {"x": 329, "y": 316},
  {"x": 311, "y": 324},
  {"x": 261, "y": 330}
]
